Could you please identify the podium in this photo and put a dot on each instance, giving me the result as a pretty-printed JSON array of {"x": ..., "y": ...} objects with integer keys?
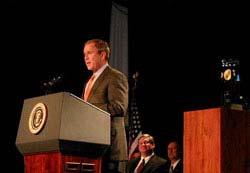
[
  {"x": 216, "y": 140},
  {"x": 60, "y": 133}
]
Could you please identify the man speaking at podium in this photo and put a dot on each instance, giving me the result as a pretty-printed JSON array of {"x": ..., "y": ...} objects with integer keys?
[{"x": 107, "y": 89}]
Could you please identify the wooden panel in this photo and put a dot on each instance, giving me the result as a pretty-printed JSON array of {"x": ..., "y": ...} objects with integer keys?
[
  {"x": 43, "y": 163},
  {"x": 56, "y": 162},
  {"x": 235, "y": 141},
  {"x": 86, "y": 163},
  {"x": 202, "y": 141},
  {"x": 216, "y": 141}
]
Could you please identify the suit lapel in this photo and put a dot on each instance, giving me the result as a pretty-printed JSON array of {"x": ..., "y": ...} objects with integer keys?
[
  {"x": 99, "y": 80},
  {"x": 178, "y": 167},
  {"x": 149, "y": 164},
  {"x": 136, "y": 163}
]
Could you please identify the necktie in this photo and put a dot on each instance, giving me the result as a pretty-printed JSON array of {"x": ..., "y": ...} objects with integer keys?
[
  {"x": 88, "y": 87},
  {"x": 171, "y": 170},
  {"x": 140, "y": 167}
]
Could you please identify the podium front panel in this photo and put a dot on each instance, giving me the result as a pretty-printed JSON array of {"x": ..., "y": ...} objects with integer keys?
[{"x": 71, "y": 124}]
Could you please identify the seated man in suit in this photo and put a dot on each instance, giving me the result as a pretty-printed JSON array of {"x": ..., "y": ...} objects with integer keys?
[
  {"x": 175, "y": 163},
  {"x": 148, "y": 162}
]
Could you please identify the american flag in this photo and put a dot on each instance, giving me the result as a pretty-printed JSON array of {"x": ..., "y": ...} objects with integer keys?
[{"x": 135, "y": 128}]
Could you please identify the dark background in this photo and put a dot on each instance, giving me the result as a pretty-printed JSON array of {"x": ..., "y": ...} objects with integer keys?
[{"x": 175, "y": 46}]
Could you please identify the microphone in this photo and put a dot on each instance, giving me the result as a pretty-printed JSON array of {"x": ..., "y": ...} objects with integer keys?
[
  {"x": 53, "y": 81},
  {"x": 52, "y": 85}
]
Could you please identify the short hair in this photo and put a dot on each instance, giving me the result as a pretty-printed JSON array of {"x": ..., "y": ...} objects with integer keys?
[
  {"x": 101, "y": 45},
  {"x": 179, "y": 149},
  {"x": 151, "y": 138}
]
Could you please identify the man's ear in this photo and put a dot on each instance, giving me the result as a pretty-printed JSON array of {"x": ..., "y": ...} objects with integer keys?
[
  {"x": 153, "y": 146},
  {"x": 103, "y": 55}
]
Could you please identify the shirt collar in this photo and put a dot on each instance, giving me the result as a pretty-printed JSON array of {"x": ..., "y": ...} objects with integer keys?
[
  {"x": 175, "y": 163},
  {"x": 147, "y": 158},
  {"x": 99, "y": 72}
]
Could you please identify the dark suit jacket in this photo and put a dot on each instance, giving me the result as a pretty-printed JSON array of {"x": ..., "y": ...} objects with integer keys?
[
  {"x": 110, "y": 93},
  {"x": 156, "y": 164},
  {"x": 178, "y": 168}
]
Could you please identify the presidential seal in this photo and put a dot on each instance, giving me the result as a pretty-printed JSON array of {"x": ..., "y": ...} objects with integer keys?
[{"x": 38, "y": 117}]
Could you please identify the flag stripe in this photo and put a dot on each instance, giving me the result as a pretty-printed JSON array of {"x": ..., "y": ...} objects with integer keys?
[{"x": 134, "y": 144}]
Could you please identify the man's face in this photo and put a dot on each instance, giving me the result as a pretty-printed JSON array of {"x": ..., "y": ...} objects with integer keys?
[
  {"x": 146, "y": 146},
  {"x": 93, "y": 59},
  {"x": 172, "y": 151}
]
